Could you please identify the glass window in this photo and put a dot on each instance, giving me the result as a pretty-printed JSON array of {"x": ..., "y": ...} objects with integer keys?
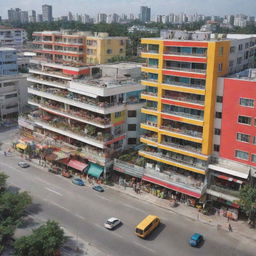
[
  {"x": 243, "y": 137},
  {"x": 132, "y": 141},
  {"x": 217, "y": 131},
  {"x": 131, "y": 127},
  {"x": 132, "y": 113},
  {"x": 117, "y": 114},
  {"x": 246, "y": 102},
  {"x": 218, "y": 115},
  {"x": 244, "y": 120},
  {"x": 253, "y": 158},
  {"x": 254, "y": 140},
  {"x": 220, "y": 67},
  {"x": 219, "y": 99},
  {"x": 221, "y": 50},
  {"x": 216, "y": 148},
  {"x": 242, "y": 155}
]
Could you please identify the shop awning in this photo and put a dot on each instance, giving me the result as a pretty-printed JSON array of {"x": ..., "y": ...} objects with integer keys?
[
  {"x": 77, "y": 165},
  {"x": 95, "y": 170},
  {"x": 21, "y": 146},
  {"x": 223, "y": 177},
  {"x": 172, "y": 187},
  {"x": 241, "y": 173}
]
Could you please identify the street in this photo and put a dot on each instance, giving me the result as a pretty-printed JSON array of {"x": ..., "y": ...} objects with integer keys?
[{"x": 83, "y": 211}]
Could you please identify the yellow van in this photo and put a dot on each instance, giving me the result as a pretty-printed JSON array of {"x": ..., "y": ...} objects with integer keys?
[{"x": 147, "y": 225}]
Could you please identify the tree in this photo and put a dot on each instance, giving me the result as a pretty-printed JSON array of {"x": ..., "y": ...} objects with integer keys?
[
  {"x": 44, "y": 241},
  {"x": 3, "y": 178},
  {"x": 248, "y": 202}
]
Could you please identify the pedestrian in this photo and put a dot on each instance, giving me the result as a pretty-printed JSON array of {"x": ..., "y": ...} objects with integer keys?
[
  {"x": 4, "y": 153},
  {"x": 229, "y": 228}
]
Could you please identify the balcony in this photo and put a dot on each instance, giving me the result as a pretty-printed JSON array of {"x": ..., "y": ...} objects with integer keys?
[
  {"x": 234, "y": 193},
  {"x": 194, "y": 86},
  {"x": 94, "y": 106},
  {"x": 154, "y": 94},
  {"x": 80, "y": 116},
  {"x": 181, "y": 147},
  {"x": 183, "y": 131},
  {"x": 177, "y": 160},
  {"x": 185, "y": 54},
  {"x": 128, "y": 168},
  {"x": 49, "y": 82},
  {"x": 57, "y": 74},
  {"x": 176, "y": 179},
  {"x": 192, "y": 70},
  {"x": 152, "y": 138},
  {"x": 185, "y": 99},
  {"x": 183, "y": 114}
]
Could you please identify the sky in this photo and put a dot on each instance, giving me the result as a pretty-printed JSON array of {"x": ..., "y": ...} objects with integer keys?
[{"x": 92, "y": 7}]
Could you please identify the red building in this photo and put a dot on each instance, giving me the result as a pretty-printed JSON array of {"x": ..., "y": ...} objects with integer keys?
[{"x": 238, "y": 128}]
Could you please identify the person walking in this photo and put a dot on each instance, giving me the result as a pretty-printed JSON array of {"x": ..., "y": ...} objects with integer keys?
[{"x": 230, "y": 228}]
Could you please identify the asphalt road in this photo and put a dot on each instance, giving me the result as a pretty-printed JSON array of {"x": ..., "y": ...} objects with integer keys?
[{"x": 83, "y": 211}]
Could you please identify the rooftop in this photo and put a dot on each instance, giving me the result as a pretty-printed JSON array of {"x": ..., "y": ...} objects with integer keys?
[
  {"x": 7, "y": 49},
  {"x": 248, "y": 75}
]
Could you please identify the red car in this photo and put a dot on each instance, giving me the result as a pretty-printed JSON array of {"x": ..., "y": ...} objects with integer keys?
[{"x": 66, "y": 174}]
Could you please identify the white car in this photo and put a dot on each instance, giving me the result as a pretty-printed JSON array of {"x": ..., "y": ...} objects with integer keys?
[
  {"x": 111, "y": 223},
  {"x": 23, "y": 164}
]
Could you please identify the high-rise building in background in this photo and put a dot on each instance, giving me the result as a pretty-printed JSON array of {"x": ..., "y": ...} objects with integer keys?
[
  {"x": 14, "y": 15},
  {"x": 24, "y": 17},
  {"x": 145, "y": 14},
  {"x": 32, "y": 16},
  {"x": 39, "y": 18},
  {"x": 101, "y": 18},
  {"x": 47, "y": 12}
]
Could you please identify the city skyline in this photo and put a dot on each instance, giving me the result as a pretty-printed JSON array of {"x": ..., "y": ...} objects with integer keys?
[{"x": 161, "y": 7}]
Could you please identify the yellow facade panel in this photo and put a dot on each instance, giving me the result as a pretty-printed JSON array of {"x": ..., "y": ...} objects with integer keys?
[
  {"x": 149, "y": 97},
  {"x": 150, "y": 70},
  {"x": 149, "y": 111},
  {"x": 150, "y": 55},
  {"x": 183, "y": 89},
  {"x": 149, "y": 83},
  {"x": 147, "y": 141},
  {"x": 149, "y": 127}
]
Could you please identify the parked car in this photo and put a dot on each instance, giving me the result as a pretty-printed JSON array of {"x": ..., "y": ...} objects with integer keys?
[
  {"x": 112, "y": 223},
  {"x": 98, "y": 188},
  {"x": 23, "y": 164},
  {"x": 196, "y": 239},
  {"x": 78, "y": 182},
  {"x": 66, "y": 174}
]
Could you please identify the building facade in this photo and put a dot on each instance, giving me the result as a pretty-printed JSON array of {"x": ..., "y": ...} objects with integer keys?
[
  {"x": 145, "y": 14},
  {"x": 180, "y": 76},
  {"x": 12, "y": 37},
  {"x": 47, "y": 13}
]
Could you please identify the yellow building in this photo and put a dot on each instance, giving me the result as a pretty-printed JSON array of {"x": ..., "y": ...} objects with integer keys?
[
  {"x": 180, "y": 78},
  {"x": 101, "y": 48}
]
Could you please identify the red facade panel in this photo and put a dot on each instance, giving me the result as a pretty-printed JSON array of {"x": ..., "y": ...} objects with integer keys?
[
  {"x": 185, "y": 59},
  {"x": 234, "y": 89},
  {"x": 186, "y": 44},
  {"x": 182, "y": 104},
  {"x": 184, "y": 74}
]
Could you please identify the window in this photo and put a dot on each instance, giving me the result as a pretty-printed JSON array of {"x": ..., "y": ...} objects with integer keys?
[
  {"x": 241, "y": 155},
  {"x": 132, "y": 141},
  {"x": 220, "y": 66},
  {"x": 239, "y": 60},
  {"x": 253, "y": 158},
  {"x": 216, "y": 148},
  {"x": 240, "y": 47},
  {"x": 132, "y": 113},
  {"x": 11, "y": 95},
  {"x": 217, "y": 131},
  {"x": 109, "y": 51},
  {"x": 231, "y": 63},
  {"x": 12, "y": 106},
  {"x": 221, "y": 50},
  {"x": 254, "y": 140},
  {"x": 246, "y": 102},
  {"x": 9, "y": 84},
  {"x": 243, "y": 137},
  {"x": 244, "y": 120},
  {"x": 131, "y": 127},
  {"x": 232, "y": 49},
  {"x": 219, "y": 99},
  {"x": 218, "y": 115},
  {"x": 117, "y": 114},
  {"x": 121, "y": 50}
]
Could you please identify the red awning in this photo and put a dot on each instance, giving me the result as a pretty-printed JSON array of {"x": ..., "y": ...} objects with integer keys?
[
  {"x": 77, "y": 165},
  {"x": 167, "y": 185},
  {"x": 223, "y": 177}
]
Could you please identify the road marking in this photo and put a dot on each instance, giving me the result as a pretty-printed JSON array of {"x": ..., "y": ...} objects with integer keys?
[
  {"x": 43, "y": 181},
  {"x": 145, "y": 247},
  {"x": 10, "y": 167},
  {"x": 58, "y": 205},
  {"x": 102, "y": 197},
  {"x": 53, "y": 191},
  {"x": 80, "y": 217}
]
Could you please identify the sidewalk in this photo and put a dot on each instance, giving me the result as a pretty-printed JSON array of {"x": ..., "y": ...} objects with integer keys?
[{"x": 239, "y": 227}]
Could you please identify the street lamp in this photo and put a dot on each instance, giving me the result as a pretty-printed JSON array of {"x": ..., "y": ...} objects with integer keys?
[{"x": 1, "y": 107}]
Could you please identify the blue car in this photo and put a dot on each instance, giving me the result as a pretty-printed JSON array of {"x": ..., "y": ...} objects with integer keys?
[
  {"x": 78, "y": 182},
  {"x": 98, "y": 188},
  {"x": 196, "y": 239}
]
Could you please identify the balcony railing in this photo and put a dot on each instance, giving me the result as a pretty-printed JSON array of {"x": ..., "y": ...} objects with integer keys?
[
  {"x": 182, "y": 147},
  {"x": 186, "y": 54},
  {"x": 128, "y": 168},
  {"x": 177, "y": 159},
  {"x": 183, "y": 131},
  {"x": 186, "y": 69},
  {"x": 150, "y": 107},
  {"x": 184, "y": 115},
  {"x": 149, "y": 123},
  {"x": 196, "y": 86},
  {"x": 186, "y": 99},
  {"x": 92, "y": 119},
  {"x": 175, "y": 178},
  {"x": 150, "y": 51},
  {"x": 149, "y": 93},
  {"x": 223, "y": 190},
  {"x": 50, "y": 82},
  {"x": 153, "y": 138}
]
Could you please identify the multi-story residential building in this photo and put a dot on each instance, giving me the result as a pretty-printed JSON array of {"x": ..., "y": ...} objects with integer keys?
[
  {"x": 32, "y": 16},
  {"x": 12, "y": 37},
  {"x": 14, "y": 15},
  {"x": 39, "y": 18},
  {"x": 145, "y": 14},
  {"x": 234, "y": 139},
  {"x": 24, "y": 17},
  {"x": 78, "y": 47},
  {"x": 13, "y": 89},
  {"x": 86, "y": 107},
  {"x": 47, "y": 12},
  {"x": 101, "y": 18},
  {"x": 181, "y": 79},
  {"x": 101, "y": 48}
]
